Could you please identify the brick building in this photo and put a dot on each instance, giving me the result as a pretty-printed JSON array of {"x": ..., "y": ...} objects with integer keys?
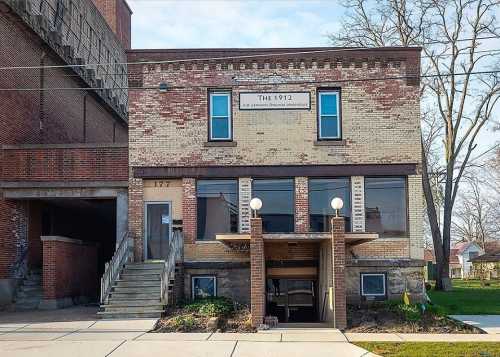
[
  {"x": 64, "y": 158},
  {"x": 294, "y": 128}
]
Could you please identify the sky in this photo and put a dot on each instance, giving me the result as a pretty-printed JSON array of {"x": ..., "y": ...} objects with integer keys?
[{"x": 232, "y": 23}]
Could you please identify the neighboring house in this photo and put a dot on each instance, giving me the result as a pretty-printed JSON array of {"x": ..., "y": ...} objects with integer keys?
[
  {"x": 455, "y": 266},
  {"x": 465, "y": 252},
  {"x": 295, "y": 128},
  {"x": 487, "y": 265},
  {"x": 64, "y": 166}
]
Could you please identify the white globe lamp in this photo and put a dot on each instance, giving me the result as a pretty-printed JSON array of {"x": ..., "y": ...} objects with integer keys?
[
  {"x": 255, "y": 205},
  {"x": 337, "y": 205}
]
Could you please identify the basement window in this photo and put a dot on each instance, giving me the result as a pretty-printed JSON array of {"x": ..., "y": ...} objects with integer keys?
[
  {"x": 373, "y": 285},
  {"x": 203, "y": 287}
]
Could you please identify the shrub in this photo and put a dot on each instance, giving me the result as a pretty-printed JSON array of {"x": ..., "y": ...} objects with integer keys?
[
  {"x": 211, "y": 307},
  {"x": 410, "y": 312},
  {"x": 183, "y": 322}
]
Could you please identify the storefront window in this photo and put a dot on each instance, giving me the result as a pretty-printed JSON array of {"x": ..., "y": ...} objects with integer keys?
[
  {"x": 217, "y": 208},
  {"x": 385, "y": 205},
  {"x": 321, "y": 193},
  {"x": 277, "y": 210}
]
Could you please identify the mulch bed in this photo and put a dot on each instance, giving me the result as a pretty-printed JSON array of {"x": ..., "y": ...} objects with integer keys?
[
  {"x": 381, "y": 319},
  {"x": 238, "y": 321}
]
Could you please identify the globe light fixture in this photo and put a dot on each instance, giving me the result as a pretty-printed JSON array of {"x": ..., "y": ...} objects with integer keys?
[
  {"x": 337, "y": 205},
  {"x": 255, "y": 205}
]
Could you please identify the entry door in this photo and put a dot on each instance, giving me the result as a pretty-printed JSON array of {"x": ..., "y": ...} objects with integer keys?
[
  {"x": 292, "y": 300},
  {"x": 158, "y": 230}
]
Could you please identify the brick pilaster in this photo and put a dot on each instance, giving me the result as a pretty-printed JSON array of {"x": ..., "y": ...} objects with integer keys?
[
  {"x": 136, "y": 216},
  {"x": 189, "y": 209},
  {"x": 301, "y": 205},
  {"x": 338, "y": 254},
  {"x": 257, "y": 272}
]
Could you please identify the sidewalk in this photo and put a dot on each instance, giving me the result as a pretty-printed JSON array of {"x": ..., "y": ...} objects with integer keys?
[{"x": 487, "y": 323}]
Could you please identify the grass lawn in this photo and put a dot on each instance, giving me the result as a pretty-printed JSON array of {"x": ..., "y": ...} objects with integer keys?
[
  {"x": 469, "y": 298},
  {"x": 431, "y": 349}
]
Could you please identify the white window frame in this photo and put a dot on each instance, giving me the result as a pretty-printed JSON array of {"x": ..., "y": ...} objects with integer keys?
[
  {"x": 373, "y": 274},
  {"x": 229, "y": 114},
  {"x": 213, "y": 277},
  {"x": 337, "y": 95}
]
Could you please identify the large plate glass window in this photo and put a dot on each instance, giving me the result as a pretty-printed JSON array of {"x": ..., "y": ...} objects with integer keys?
[
  {"x": 385, "y": 206},
  {"x": 321, "y": 193},
  {"x": 220, "y": 115},
  {"x": 277, "y": 212},
  {"x": 217, "y": 208},
  {"x": 373, "y": 284},
  {"x": 329, "y": 114},
  {"x": 203, "y": 287}
]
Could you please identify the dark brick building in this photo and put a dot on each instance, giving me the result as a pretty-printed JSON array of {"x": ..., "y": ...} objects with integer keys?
[{"x": 64, "y": 159}]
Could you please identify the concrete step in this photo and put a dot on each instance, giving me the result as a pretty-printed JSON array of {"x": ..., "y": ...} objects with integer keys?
[
  {"x": 142, "y": 271},
  {"x": 136, "y": 289},
  {"x": 132, "y": 302},
  {"x": 126, "y": 296},
  {"x": 144, "y": 266},
  {"x": 132, "y": 309},
  {"x": 31, "y": 283},
  {"x": 142, "y": 277},
  {"x": 31, "y": 294},
  {"x": 129, "y": 315},
  {"x": 30, "y": 288},
  {"x": 138, "y": 283}
]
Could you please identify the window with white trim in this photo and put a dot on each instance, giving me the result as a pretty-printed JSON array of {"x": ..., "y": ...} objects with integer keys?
[
  {"x": 373, "y": 284},
  {"x": 203, "y": 287},
  {"x": 220, "y": 126},
  {"x": 329, "y": 114}
]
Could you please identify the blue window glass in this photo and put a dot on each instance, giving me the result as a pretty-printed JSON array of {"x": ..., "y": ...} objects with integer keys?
[
  {"x": 329, "y": 125},
  {"x": 220, "y": 116},
  {"x": 220, "y": 105},
  {"x": 372, "y": 284}
]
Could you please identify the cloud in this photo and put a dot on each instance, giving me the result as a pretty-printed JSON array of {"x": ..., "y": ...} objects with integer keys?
[{"x": 206, "y": 23}]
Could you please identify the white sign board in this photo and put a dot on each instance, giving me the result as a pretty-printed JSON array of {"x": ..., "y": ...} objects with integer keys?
[{"x": 275, "y": 100}]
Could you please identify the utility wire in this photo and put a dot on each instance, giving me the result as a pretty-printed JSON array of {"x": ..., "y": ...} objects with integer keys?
[
  {"x": 233, "y": 85},
  {"x": 46, "y": 74},
  {"x": 257, "y": 55}
]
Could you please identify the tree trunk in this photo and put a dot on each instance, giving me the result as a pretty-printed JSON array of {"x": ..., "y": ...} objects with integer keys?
[{"x": 442, "y": 264}]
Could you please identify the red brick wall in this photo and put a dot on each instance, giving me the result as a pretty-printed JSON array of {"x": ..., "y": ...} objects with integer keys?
[
  {"x": 58, "y": 164},
  {"x": 118, "y": 16},
  {"x": 189, "y": 208},
  {"x": 257, "y": 272},
  {"x": 69, "y": 270},
  {"x": 338, "y": 250},
  {"x": 61, "y": 117}
]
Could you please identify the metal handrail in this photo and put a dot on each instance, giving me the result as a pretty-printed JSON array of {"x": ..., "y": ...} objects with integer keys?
[
  {"x": 175, "y": 248},
  {"x": 113, "y": 267}
]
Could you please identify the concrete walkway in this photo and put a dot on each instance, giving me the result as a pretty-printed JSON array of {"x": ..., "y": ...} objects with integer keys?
[
  {"x": 130, "y": 338},
  {"x": 488, "y": 323}
]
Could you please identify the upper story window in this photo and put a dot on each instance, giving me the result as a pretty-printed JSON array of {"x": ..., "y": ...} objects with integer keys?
[
  {"x": 329, "y": 114},
  {"x": 217, "y": 208},
  {"x": 385, "y": 206},
  {"x": 321, "y": 193},
  {"x": 220, "y": 126},
  {"x": 277, "y": 212}
]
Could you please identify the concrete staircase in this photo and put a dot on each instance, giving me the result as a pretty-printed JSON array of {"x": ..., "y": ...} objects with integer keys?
[
  {"x": 30, "y": 292},
  {"x": 136, "y": 293}
]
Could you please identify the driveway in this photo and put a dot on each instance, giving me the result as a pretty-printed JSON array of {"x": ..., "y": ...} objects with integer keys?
[
  {"x": 75, "y": 332},
  {"x": 487, "y": 323}
]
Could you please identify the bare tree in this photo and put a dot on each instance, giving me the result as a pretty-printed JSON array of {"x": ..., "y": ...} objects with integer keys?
[{"x": 450, "y": 33}]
